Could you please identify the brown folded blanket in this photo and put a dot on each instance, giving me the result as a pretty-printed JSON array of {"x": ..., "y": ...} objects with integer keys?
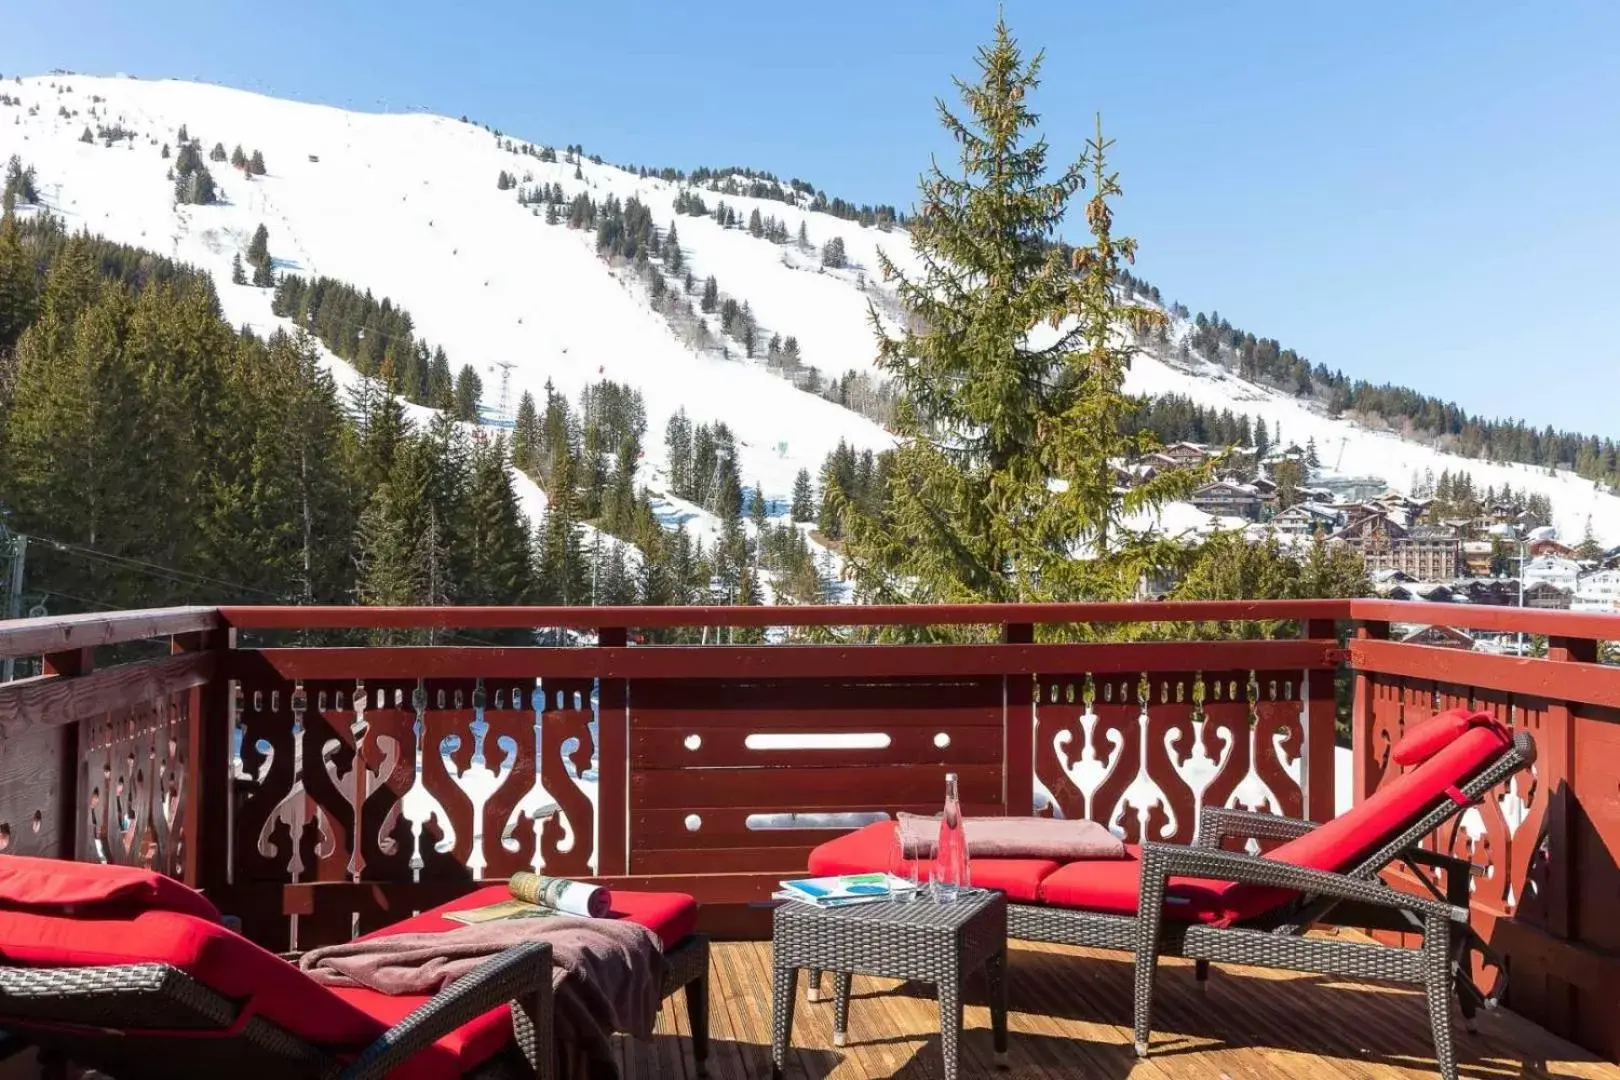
[
  {"x": 1014, "y": 838},
  {"x": 607, "y": 975}
]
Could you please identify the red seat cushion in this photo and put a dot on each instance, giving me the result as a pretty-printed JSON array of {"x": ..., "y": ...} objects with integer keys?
[
  {"x": 1428, "y": 738},
  {"x": 868, "y": 849},
  {"x": 671, "y": 916},
  {"x": 1111, "y": 886},
  {"x": 457, "y": 1054},
  {"x": 80, "y": 888}
]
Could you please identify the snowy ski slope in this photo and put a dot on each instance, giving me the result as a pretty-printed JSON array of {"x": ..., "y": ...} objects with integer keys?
[{"x": 407, "y": 206}]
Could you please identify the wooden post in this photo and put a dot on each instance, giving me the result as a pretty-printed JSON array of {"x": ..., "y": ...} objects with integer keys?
[
  {"x": 207, "y": 809},
  {"x": 1361, "y": 717},
  {"x": 1555, "y": 766},
  {"x": 613, "y": 755},
  {"x": 1317, "y": 777},
  {"x": 1017, "y": 731},
  {"x": 69, "y": 756}
]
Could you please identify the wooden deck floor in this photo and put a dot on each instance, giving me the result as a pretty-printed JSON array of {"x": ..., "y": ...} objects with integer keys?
[{"x": 1070, "y": 1018}]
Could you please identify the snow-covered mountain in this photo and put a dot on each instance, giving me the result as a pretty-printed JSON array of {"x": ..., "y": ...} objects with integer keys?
[{"x": 408, "y": 207}]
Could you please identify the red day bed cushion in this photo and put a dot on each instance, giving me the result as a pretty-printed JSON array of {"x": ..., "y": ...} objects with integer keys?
[
  {"x": 334, "y": 1018},
  {"x": 671, "y": 916},
  {"x": 868, "y": 849},
  {"x": 68, "y": 888}
]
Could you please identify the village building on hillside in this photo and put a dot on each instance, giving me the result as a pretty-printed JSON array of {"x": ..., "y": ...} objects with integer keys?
[
  {"x": 1350, "y": 488},
  {"x": 1598, "y": 592},
  {"x": 1477, "y": 556},
  {"x": 1426, "y": 552},
  {"x": 1228, "y": 498},
  {"x": 1444, "y": 637},
  {"x": 1309, "y": 519},
  {"x": 1547, "y": 596},
  {"x": 1552, "y": 570},
  {"x": 1551, "y": 549}
]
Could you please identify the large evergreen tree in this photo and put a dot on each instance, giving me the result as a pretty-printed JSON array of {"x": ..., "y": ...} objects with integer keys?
[{"x": 1002, "y": 487}]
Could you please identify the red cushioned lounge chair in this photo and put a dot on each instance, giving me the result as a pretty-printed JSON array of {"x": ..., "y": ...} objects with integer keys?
[
  {"x": 1207, "y": 903},
  {"x": 136, "y": 975}
]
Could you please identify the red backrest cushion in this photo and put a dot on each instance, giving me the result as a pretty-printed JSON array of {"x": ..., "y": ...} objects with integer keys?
[
  {"x": 1345, "y": 842},
  {"x": 1426, "y": 739},
  {"x": 1342, "y": 843},
  {"x": 65, "y": 887},
  {"x": 228, "y": 963}
]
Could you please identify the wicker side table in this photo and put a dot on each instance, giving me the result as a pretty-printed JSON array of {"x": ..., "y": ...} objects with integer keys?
[{"x": 921, "y": 940}]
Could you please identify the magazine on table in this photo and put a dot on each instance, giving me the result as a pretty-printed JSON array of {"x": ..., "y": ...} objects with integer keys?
[{"x": 845, "y": 889}]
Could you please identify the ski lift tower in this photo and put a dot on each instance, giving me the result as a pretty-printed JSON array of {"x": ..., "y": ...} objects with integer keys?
[{"x": 505, "y": 406}]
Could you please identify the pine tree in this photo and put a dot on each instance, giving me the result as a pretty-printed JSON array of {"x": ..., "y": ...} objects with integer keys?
[
  {"x": 832, "y": 254},
  {"x": 87, "y": 136},
  {"x": 755, "y": 228},
  {"x": 165, "y": 153},
  {"x": 496, "y": 537},
  {"x": 469, "y": 394},
  {"x": 263, "y": 276},
  {"x": 804, "y": 505},
  {"x": 259, "y": 247},
  {"x": 237, "y": 276},
  {"x": 526, "y": 435},
  {"x": 990, "y": 425},
  {"x": 217, "y": 153},
  {"x": 19, "y": 292},
  {"x": 256, "y": 164},
  {"x": 1590, "y": 547},
  {"x": 238, "y": 158},
  {"x": 711, "y": 295},
  {"x": 756, "y": 506},
  {"x": 551, "y": 213},
  {"x": 1311, "y": 457}
]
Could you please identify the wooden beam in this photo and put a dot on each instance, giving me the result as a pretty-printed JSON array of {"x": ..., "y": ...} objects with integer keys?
[
  {"x": 762, "y": 662},
  {"x": 54, "y": 700},
  {"x": 1569, "y": 624},
  {"x": 1595, "y": 684},
  {"x": 490, "y": 618},
  {"x": 36, "y": 637}
]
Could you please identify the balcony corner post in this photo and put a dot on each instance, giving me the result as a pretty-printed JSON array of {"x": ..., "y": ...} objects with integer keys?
[
  {"x": 207, "y": 809},
  {"x": 1361, "y": 714},
  {"x": 70, "y": 755}
]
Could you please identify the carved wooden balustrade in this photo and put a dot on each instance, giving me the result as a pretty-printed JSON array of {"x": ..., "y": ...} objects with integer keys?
[{"x": 317, "y": 791}]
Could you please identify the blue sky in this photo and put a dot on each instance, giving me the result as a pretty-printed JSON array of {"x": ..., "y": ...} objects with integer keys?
[{"x": 1417, "y": 192}]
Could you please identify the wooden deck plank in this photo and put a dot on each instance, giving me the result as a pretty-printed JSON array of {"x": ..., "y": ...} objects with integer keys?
[{"x": 1070, "y": 1019}]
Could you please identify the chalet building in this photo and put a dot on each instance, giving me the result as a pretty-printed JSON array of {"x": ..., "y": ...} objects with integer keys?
[
  {"x": 1425, "y": 552},
  {"x": 1476, "y": 557},
  {"x": 1551, "y": 549},
  {"x": 1424, "y": 592},
  {"x": 1598, "y": 592},
  {"x": 1444, "y": 637},
  {"x": 1547, "y": 597},
  {"x": 1228, "y": 498},
  {"x": 1185, "y": 453},
  {"x": 1309, "y": 519},
  {"x": 1498, "y": 592},
  {"x": 1552, "y": 570}
]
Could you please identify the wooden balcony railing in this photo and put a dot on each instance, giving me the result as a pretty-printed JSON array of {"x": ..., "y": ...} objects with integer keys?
[{"x": 320, "y": 790}]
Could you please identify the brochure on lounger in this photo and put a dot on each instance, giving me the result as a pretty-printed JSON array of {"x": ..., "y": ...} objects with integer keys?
[
  {"x": 845, "y": 888},
  {"x": 501, "y": 911}
]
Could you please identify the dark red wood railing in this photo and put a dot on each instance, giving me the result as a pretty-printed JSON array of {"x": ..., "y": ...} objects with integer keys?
[{"x": 372, "y": 781}]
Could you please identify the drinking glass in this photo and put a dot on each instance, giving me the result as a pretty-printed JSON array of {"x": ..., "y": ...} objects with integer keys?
[{"x": 902, "y": 867}]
